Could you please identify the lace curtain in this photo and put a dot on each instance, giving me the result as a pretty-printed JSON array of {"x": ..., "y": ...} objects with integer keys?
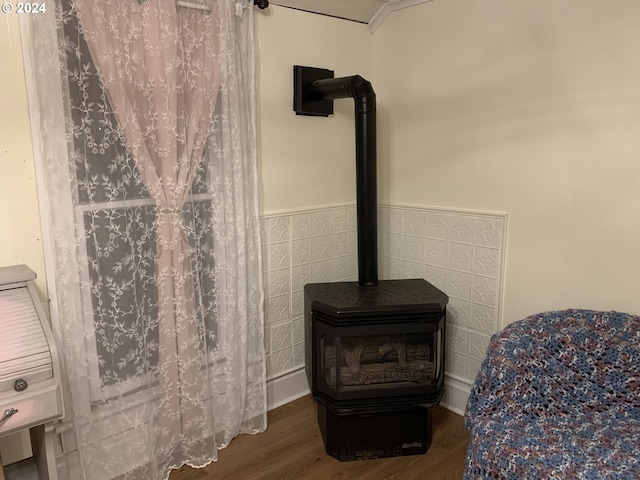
[{"x": 143, "y": 123}]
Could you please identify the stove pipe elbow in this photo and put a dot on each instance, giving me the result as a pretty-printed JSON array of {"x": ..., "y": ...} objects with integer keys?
[{"x": 354, "y": 87}]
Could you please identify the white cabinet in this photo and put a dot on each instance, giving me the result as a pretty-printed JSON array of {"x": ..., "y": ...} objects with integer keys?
[{"x": 30, "y": 393}]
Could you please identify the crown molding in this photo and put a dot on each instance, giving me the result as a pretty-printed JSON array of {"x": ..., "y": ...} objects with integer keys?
[{"x": 389, "y": 7}]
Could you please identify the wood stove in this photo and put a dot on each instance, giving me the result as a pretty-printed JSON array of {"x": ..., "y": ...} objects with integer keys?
[
  {"x": 374, "y": 349},
  {"x": 375, "y": 364}
]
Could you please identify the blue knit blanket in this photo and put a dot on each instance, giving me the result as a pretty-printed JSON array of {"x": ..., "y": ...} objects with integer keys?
[{"x": 558, "y": 396}]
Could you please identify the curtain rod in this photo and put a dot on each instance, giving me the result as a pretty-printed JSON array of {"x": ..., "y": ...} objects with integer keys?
[{"x": 261, "y": 4}]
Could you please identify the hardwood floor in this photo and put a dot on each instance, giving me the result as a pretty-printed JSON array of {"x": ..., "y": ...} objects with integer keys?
[{"x": 292, "y": 449}]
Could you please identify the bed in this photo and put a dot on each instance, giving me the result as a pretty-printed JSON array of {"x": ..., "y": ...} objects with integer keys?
[{"x": 558, "y": 396}]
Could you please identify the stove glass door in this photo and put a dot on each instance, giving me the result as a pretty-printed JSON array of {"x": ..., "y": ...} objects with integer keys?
[{"x": 358, "y": 363}]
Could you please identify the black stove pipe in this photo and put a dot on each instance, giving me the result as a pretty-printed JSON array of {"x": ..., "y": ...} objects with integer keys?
[{"x": 364, "y": 97}]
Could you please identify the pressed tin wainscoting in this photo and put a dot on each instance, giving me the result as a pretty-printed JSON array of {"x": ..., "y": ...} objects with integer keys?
[
  {"x": 301, "y": 247},
  {"x": 460, "y": 252}
]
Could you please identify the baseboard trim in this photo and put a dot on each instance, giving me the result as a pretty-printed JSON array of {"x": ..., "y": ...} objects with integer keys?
[
  {"x": 293, "y": 385},
  {"x": 286, "y": 388},
  {"x": 456, "y": 394}
]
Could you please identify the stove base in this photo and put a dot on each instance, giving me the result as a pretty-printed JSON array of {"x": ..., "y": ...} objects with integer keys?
[{"x": 378, "y": 435}]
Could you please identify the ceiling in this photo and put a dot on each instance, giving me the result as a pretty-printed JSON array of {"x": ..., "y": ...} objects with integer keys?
[{"x": 371, "y": 12}]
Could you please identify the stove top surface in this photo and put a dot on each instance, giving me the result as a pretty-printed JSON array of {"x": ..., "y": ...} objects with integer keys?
[{"x": 402, "y": 297}]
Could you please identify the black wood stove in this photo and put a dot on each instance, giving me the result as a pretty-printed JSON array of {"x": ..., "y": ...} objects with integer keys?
[{"x": 374, "y": 349}]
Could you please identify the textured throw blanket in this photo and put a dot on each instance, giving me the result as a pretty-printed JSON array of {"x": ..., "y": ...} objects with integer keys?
[{"x": 558, "y": 396}]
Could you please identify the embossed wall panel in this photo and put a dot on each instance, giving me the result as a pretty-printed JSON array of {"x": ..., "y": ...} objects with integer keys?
[{"x": 463, "y": 254}]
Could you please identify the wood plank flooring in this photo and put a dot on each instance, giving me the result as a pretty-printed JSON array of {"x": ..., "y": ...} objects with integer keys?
[{"x": 292, "y": 449}]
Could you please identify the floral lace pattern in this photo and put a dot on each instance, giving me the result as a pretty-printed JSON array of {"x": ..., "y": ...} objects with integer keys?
[
  {"x": 557, "y": 397},
  {"x": 144, "y": 117}
]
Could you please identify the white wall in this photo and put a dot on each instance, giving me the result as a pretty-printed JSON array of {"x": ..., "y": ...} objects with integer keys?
[
  {"x": 305, "y": 161},
  {"x": 531, "y": 108},
  {"x": 20, "y": 234}
]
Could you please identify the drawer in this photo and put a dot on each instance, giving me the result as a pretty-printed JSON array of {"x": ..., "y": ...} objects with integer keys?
[
  {"x": 33, "y": 409},
  {"x": 34, "y": 378}
]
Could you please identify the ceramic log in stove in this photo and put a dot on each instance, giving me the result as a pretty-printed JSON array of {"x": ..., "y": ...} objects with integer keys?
[{"x": 374, "y": 349}]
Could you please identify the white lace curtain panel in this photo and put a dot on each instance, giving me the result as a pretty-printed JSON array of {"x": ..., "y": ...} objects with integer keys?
[{"x": 143, "y": 120}]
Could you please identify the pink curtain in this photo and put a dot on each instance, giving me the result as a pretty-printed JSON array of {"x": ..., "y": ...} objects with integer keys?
[{"x": 160, "y": 67}]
